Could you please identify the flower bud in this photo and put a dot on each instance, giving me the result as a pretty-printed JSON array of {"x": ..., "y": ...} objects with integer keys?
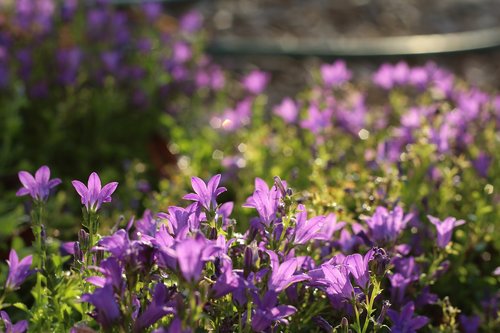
[
  {"x": 323, "y": 324},
  {"x": 83, "y": 240}
]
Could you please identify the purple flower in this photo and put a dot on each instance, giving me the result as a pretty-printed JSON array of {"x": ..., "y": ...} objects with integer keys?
[
  {"x": 94, "y": 196},
  {"x": 182, "y": 52},
  {"x": 106, "y": 311},
  {"x": 282, "y": 275},
  {"x": 444, "y": 229},
  {"x": 470, "y": 324},
  {"x": 386, "y": 226},
  {"x": 288, "y": 110},
  {"x": 39, "y": 186},
  {"x": 335, "y": 74},
  {"x": 265, "y": 200},
  {"x": 157, "y": 309},
  {"x": 191, "y": 21},
  {"x": 227, "y": 281},
  {"x": 18, "y": 270},
  {"x": 358, "y": 265},
  {"x": 305, "y": 230},
  {"x": 334, "y": 280},
  {"x": 267, "y": 313},
  {"x": 192, "y": 253},
  {"x": 256, "y": 82},
  {"x": 405, "y": 322},
  {"x": 206, "y": 194},
  {"x": 19, "y": 327},
  {"x": 482, "y": 164},
  {"x": 317, "y": 120}
]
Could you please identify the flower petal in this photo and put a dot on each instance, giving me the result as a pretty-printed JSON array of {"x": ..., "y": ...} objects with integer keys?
[
  {"x": 27, "y": 180},
  {"x": 42, "y": 175},
  {"x": 81, "y": 189}
]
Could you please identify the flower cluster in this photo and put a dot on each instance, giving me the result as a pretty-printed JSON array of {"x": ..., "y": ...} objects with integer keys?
[{"x": 187, "y": 268}]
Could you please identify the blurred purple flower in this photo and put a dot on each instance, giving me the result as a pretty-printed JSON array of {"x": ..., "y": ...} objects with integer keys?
[
  {"x": 205, "y": 194},
  {"x": 335, "y": 74},
  {"x": 405, "y": 322},
  {"x": 317, "y": 120},
  {"x": 37, "y": 187},
  {"x": 255, "y": 82},
  {"x": 191, "y": 21},
  {"x": 470, "y": 324},
  {"x": 18, "y": 270},
  {"x": 68, "y": 62},
  {"x": 181, "y": 52},
  {"x": 152, "y": 10},
  {"x": 288, "y": 110},
  {"x": 482, "y": 164},
  {"x": 94, "y": 196},
  {"x": 444, "y": 229},
  {"x": 19, "y": 327}
]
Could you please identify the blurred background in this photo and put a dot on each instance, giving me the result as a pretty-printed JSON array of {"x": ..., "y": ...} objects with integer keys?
[{"x": 124, "y": 87}]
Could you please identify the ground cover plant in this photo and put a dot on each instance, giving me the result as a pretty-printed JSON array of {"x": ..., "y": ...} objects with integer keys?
[{"x": 385, "y": 218}]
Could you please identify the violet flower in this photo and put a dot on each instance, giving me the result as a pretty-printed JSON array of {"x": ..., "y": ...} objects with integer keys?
[
  {"x": 157, "y": 309},
  {"x": 288, "y": 110},
  {"x": 405, "y": 322},
  {"x": 335, "y": 74},
  {"x": 255, "y": 82},
  {"x": 386, "y": 226},
  {"x": 37, "y": 187},
  {"x": 444, "y": 229},
  {"x": 192, "y": 253},
  {"x": 358, "y": 265},
  {"x": 267, "y": 313},
  {"x": 19, "y": 327},
  {"x": 106, "y": 311},
  {"x": 18, "y": 270},
  {"x": 94, "y": 196},
  {"x": 206, "y": 194},
  {"x": 305, "y": 230},
  {"x": 282, "y": 275},
  {"x": 265, "y": 200},
  {"x": 470, "y": 324}
]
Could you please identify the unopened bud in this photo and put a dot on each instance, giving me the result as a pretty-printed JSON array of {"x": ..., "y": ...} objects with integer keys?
[
  {"x": 78, "y": 252},
  {"x": 83, "y": 239},
  {"x": 344, "y": 325},
  {"x": 248, "y": 261},
  {"x": 279, "y": 185},
  {"x": 323, "y": 324},
  {"x": 385, "y": 306}
]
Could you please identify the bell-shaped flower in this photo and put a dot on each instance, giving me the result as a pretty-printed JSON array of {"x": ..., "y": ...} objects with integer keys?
[
  {"x": 205, "y": 194},
  {"x": 283, "y": 275},
  {"x": 265, "y": 200},
  {"x": 157, "y": 309},
  {"x": 93, "y": 195},
  {"x": 18, "y": 270},
  {"x": 19, "y": 327},
  {"x": 385, "y": 225},
  {"x": 37, "y": 187},
  {"x": 267, "y": 312},
  {"x": 444, "y": 229},
  {"x": 305, "y": 229},
  {"x": 404, "y": 321},
  {"x": 106, "y": 312}
]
